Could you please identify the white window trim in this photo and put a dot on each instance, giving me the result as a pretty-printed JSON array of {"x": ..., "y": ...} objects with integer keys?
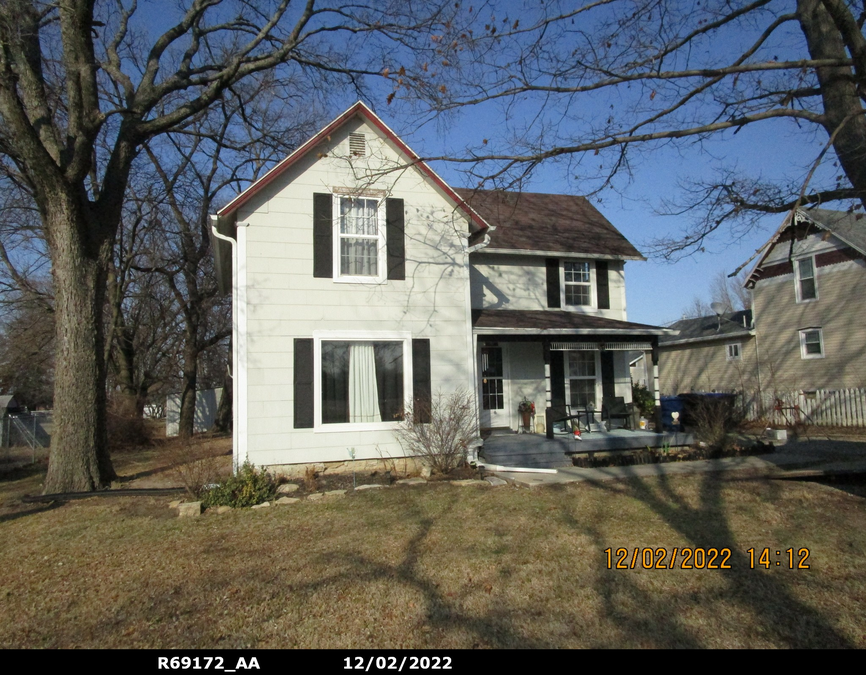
[
  {"x": 382, "y": 263},
  {"x": 593, "y": 288},
  {"x": 598, "y": 392},
  {"x": 729, "y": 356},
  {"x": 358, "y": 336},
  {"x": 803, "y": 353},
  {"x": 797, "y": 286}
]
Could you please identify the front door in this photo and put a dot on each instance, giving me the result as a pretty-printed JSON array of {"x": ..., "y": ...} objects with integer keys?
[{"x": 493, "y": 395}]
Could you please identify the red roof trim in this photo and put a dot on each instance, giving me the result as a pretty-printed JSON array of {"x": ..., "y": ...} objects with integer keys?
[{"x": 357, "y": 109}]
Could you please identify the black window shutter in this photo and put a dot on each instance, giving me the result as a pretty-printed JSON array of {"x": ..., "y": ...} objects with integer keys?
[
  {"x": 323, "y": 236},
  {"x": 608, "y": 389},
  {"x": 303, "y": 383},
  {"x": 395, "y": 238},
  {"x": 552, "y": 265},
  {"x": 557, "y": 378},
  {"x": 602, "y": 284},
  {"x": 422, "y": 394}
]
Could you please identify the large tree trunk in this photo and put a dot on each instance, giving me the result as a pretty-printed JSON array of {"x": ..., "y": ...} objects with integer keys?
[
  {"x": 843, "y": 108},
  {"x": 186, "y": 424},
  {"x": 224, "y": 416},
  {"x": 79, "y": 459}
]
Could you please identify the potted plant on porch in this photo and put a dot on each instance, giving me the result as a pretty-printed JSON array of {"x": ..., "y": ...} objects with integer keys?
[{"x": 526, "y": 408}]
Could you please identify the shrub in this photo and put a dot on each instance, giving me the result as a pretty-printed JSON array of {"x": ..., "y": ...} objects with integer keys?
[
  {"x": 198, "y": 465},
  {"x": 440, "y": 435},
  {"x": 246, "y": 488},
  {"x": 713, "y": 418},
  {"x": 643, "y": 399}
]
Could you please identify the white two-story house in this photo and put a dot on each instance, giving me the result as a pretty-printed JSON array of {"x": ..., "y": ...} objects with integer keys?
[{"x": 362, "y": 284}]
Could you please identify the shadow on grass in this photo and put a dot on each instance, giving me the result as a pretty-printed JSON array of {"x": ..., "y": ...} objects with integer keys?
[
  {"x": 784, "y": 620},
  {"x": 9, "y": 517}
]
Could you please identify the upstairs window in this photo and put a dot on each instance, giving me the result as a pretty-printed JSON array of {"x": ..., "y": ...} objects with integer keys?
[
  {"x": 359, "y": 241},
  {"x": 806, "y": 288},
  {"x": 811, "y": 344},
  {"x": 733, "y": 351},
  {"x": 577, "y": 284}
]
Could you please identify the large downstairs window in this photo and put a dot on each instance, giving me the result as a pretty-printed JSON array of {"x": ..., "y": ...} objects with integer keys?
[{"x": 362, "y": 381}]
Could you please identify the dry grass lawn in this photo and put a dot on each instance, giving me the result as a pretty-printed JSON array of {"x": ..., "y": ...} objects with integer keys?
[{"x": 435, "y": 566}]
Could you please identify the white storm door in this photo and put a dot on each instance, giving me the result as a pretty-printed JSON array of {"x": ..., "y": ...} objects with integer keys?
[{"x": 494, "y": 397}]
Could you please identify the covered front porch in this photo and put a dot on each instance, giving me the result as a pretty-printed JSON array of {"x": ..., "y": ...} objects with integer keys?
[{"x": 537, "y": 367}]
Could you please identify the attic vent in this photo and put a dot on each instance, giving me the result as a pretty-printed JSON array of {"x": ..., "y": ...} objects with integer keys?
[{"x": 357, "y": 145}]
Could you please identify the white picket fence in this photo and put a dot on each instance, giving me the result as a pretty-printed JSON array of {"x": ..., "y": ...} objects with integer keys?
[{"x": 825, "y": 407}]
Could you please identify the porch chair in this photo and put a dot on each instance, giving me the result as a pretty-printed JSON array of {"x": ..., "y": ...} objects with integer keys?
[
  {"x": 615, "y": 408},
  {"x": 561, "y": 416}
]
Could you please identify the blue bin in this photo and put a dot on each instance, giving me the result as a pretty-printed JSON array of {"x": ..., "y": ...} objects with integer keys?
[{"x": 669, "y": 405}]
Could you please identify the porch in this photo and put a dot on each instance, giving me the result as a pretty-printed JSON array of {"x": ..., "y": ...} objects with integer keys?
[{"x": 536, "y": 451}]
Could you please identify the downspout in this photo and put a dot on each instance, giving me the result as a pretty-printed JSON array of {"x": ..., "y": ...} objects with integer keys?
[
  {"x": 235, "y": 346},
  {"x": 473, "y": 344}
]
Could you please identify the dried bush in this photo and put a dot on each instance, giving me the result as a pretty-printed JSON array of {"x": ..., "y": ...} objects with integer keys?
[
  {"x": 713, "y": 419},
  {"x": 246, "y": 488},
  {"x": 440, "y": 435},
  {"x": 310, "y": 482},
  {"x": 197, "y": 465}
]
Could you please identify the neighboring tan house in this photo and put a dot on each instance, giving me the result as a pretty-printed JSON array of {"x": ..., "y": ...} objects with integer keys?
[
  {"x": 710, "y": 354},
  {"x": 809, "y": 299},
  {"x": 362, "y": 284}
]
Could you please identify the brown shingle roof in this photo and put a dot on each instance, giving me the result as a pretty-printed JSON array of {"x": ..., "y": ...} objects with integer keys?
[
  {"x": 559, "y": 320},
  {"x": 530, "y": 221}
]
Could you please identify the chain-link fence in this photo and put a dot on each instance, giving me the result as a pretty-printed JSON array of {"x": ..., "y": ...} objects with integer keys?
[{"x": 25, "y": 436}]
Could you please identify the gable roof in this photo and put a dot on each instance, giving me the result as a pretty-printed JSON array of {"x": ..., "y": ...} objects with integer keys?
[
  {"x": 546, "y": 223},
  {"x": 357, "y": 110},
  {"x": 713, "y": 327},
  {"x": 847, "y": 226}
]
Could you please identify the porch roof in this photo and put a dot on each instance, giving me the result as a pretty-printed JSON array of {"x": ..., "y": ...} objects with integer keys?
[{"x": 555, "y": 322}]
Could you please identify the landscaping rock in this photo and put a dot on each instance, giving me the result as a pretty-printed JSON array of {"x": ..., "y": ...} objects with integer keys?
[
  {"x": 288, "y": 500},
  {"x": 175, "y": 503},
  {"x": 287, "y": 488},
  {"x": 368, "y": 487},
  {"x": 189, "y": 510},
  {"x": 495, "y": 481},
  {"x": 411, "y": 481},
  {"x": 316, "y": 496},
  {"x": 335, "y": 493},
  {"x": 469, "y": 481},
  {"x": 261, "y": 506},
  {"x": 223, "y": 509}
]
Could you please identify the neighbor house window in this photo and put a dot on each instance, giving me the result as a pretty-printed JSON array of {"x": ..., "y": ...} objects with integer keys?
[
  {"x": 811, "y": 343},
  {"x": 362, "y": 381},
  {"x": 359, "y": 239},
  {"x": 581, "y": 378},
  {"x": 733, "y": 351},
  {"x": 806, "y": 288},
  {"x": 577, "y": 284}
]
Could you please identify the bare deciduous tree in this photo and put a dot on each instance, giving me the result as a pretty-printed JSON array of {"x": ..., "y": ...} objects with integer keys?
[
  {"x": 77, "y": 75},
  {"x": 591, "y": 86}
]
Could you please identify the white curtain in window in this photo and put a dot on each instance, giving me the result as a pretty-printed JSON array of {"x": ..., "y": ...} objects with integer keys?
[{"x": 363, "y": 393}]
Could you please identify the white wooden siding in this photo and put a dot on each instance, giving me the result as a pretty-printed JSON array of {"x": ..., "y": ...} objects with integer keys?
[
  {"x": 286, "y": 302},
  {"x": 520, "y": 282}
]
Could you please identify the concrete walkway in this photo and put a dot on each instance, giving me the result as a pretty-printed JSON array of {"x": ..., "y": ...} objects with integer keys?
[{"x": 791, "y": 459}]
